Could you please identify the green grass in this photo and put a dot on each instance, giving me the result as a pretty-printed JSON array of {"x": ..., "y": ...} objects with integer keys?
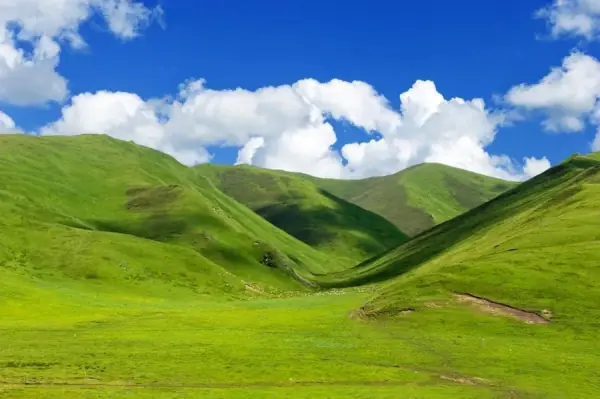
[
  {"x": 537, "y": 248},
  {"x": 95, "y": 209},
  {"x": 69, "y": 342},
  {"x": 126, "y": 274},
  {"x": 514, "y": 248},
  {"x": 75, "y": 343},
  {"x": 296, "y": 205},
  {"x": 420, "y": 197}
]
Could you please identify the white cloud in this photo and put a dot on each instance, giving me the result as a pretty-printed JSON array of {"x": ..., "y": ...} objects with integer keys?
[
  {"x": 357, "y": 102},
  {"x": 286, "y": 127},
  {"x": 306, "y": 150},
  {"x": 248, "y": 151},
  {"x": 573, "y": 18},
  {"x": 30, "y": 77},
  {"x": 7, "y": 124},
  {"x": 432, "y": 129},
  {"x": 232, "y": 117},
  {"x": 568, "y": 94},
  {"x": 126, "y": 18},
  {"x": 534, "y": 167}
]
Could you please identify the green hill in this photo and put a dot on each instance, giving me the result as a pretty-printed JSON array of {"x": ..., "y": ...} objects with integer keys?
[
  {"x": 296, "y": 205},
  {"x": 532, "y": 255},
  {"x": 126, "y": 274},
  {"x": 514, "y": 248},
  {"x": 419, "y": 197},
  {"x": 99, "y": 210}
]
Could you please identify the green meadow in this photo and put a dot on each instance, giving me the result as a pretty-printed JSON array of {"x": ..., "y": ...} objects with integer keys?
[{"x": 126, "y": 274}]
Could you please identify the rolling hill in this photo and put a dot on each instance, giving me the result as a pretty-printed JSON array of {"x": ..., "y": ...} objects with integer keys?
[
  {"x": 419, "y": 197},
  {"x": 98, "y": 210},
  {"x": 514, "y": 249},
  {"x": 513, "y": 282},
  {"x": 296, "y": 205},
  {"x": 126, "y": 274},
  {"x": 536, "y": 245}
]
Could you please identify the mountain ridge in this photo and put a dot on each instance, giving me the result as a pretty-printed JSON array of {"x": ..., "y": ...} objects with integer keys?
[{"x": 295, "y": 204}]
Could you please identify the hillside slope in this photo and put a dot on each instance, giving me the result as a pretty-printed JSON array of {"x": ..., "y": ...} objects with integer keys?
[
  {"x": 98, "y": 210},
  {"x": 535, "y": 247},
  {"x": 419, "y": 197},
  {"x": 296, "y": 205},
  {"x": 506, "y": 292}
]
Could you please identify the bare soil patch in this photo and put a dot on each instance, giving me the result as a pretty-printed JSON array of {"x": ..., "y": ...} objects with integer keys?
[
  {"x": 497, "y": 308},
  {"x": 254, "y": 288},
  {"x": 465, "y": 380}
]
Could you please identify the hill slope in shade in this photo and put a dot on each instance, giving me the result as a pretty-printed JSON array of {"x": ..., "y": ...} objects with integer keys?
[
  {"x": 295, "y": 204},
  {"x": 419, "y": 197},
  {"x": 99, "y": 210}
]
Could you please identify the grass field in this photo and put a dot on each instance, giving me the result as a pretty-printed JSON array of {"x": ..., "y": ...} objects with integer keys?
[
  {"x": 124, "y": 274},
  {"x": 74, "y": 343},
  {"x": 77, "y": 344}
]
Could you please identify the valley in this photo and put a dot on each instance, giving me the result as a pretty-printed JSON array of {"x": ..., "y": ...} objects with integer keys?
[{"x": 126, "y": 274}]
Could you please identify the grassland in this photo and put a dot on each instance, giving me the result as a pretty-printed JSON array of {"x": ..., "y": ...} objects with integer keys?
[
  {"x": 420, "y": 197},
  {"x": 534, "y": 248},
  {"x": 117, "y": 280},
  {"x": 68, "y": 342},
  {"x": 99, "y": 209},
  {"x": 296, "y": 205}
]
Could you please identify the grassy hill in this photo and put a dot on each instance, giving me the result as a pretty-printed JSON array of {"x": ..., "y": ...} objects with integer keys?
[
  {"x": 125, "y": 274},
  {"x": 419, "y": 197},
  {"x": 102, "y": 211},
  {"x": 539, "y": 227},
  {"x": 514, "y": 282},
  {"x": 296, "y": 205}
]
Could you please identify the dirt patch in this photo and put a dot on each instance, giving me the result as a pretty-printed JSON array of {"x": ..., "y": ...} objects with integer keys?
[
  {"x": 465, "y": 380},
  {"x": 254, "y": 288},
  {"x": 505, "y": 310}
]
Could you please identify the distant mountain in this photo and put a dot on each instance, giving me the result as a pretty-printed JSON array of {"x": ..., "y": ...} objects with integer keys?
[{"x": 419, "y": 197}]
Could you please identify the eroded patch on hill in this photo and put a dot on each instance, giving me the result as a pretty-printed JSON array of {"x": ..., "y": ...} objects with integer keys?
[
  {"x": 465, "y": 380},
  {"x": 500, "y": 309}
]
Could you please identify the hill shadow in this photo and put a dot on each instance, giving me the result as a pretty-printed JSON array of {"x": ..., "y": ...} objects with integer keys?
[{"x": 318, "y": 226}]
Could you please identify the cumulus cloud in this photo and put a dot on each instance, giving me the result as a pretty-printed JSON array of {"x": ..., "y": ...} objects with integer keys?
[
  {"x": 288, "y": 127},
  {"x": 357, "y": 102},
  {"x": 7, "y": 124},
  {"x": 568, "y": 94},
  {"x": 534, "y": 167},
  {"x": 30, "y": 77},
  {"x": 572, "y": 18}
]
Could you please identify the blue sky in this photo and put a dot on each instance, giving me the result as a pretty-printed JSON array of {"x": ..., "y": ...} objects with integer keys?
[{"x": 469, "y": 49}]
